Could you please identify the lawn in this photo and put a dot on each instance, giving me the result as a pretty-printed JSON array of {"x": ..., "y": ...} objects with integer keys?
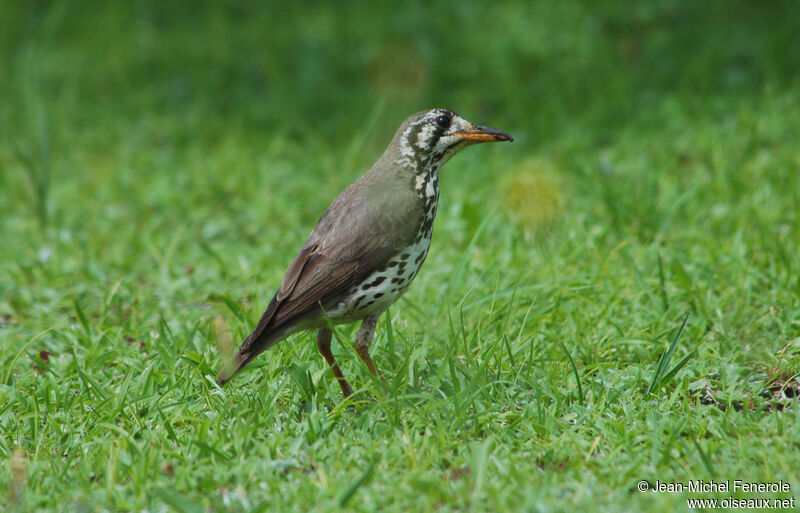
[{"x": 614, "y": 297}]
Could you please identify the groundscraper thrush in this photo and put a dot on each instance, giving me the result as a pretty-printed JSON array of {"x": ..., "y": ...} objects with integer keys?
[{"x": 369, "y": 244}]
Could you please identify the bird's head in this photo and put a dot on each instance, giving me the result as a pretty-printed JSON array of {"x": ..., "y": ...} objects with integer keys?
[{"x": 431, "y": 137}]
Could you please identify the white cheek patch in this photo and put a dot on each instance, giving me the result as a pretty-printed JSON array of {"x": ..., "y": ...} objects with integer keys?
[
  {"x": 444, "y": 142},
  {"x": 405, "y": 148},
  {"x": 425, "y": 134}
]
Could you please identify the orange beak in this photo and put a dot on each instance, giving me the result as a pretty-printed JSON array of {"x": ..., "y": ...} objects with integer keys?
[{"x": 484, "y": 134}]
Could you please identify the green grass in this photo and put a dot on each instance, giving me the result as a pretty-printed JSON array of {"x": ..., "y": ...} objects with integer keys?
[{"x": 161, "y": 166}]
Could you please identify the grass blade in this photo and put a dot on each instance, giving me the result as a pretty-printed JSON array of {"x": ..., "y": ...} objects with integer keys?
[
  {"x": 574, "y": 371},
  {"x": 353, "y": 488},
  {"x": 178, "y": 502},
  {"x": 661, "y": 375},
  {"x": 81, "y": 317}
]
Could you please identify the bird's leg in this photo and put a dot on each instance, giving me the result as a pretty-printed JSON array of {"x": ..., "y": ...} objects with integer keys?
[
  {"x": 324, "y": 345},
  {"x": 364, "y": 339}
]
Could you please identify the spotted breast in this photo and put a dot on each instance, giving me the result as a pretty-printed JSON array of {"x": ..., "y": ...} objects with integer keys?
[{"x": 381, "y": 288}]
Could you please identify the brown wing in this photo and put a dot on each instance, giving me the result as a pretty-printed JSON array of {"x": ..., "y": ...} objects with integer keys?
[
  {"x": 314, "y": 281},
  {"x": 355, "y": 236}
]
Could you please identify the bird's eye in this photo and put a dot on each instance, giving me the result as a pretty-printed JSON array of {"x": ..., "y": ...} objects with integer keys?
[{"x": 443, "y": 122}]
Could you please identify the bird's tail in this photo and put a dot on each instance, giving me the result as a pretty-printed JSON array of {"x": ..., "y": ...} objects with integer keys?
[
  {"x": 253, "y": 346},
  {"x": 231, "y": 368},
  {"x": 261, "y": 339}
]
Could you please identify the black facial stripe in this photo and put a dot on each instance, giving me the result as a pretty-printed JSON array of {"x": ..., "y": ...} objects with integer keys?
[
  {"x": 413, "y": 135},
  {"x": 413, "y": 138},
  {"x": 436, "y": 155},
  {"x": 436, "y": 135},
  {"x": 425, "y": 153}
]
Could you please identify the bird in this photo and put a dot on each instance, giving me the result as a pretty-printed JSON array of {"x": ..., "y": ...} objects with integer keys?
[{"x": 369, "y": 244}]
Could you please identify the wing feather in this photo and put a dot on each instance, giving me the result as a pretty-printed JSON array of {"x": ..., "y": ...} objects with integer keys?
[{"x": 356, "y": 235}]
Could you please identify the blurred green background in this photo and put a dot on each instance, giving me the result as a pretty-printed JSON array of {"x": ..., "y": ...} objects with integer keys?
[
  {"x": 161, "y": 163},
  {"x": 92, "y": 88},
  {"x": 84, "y": 82}
]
